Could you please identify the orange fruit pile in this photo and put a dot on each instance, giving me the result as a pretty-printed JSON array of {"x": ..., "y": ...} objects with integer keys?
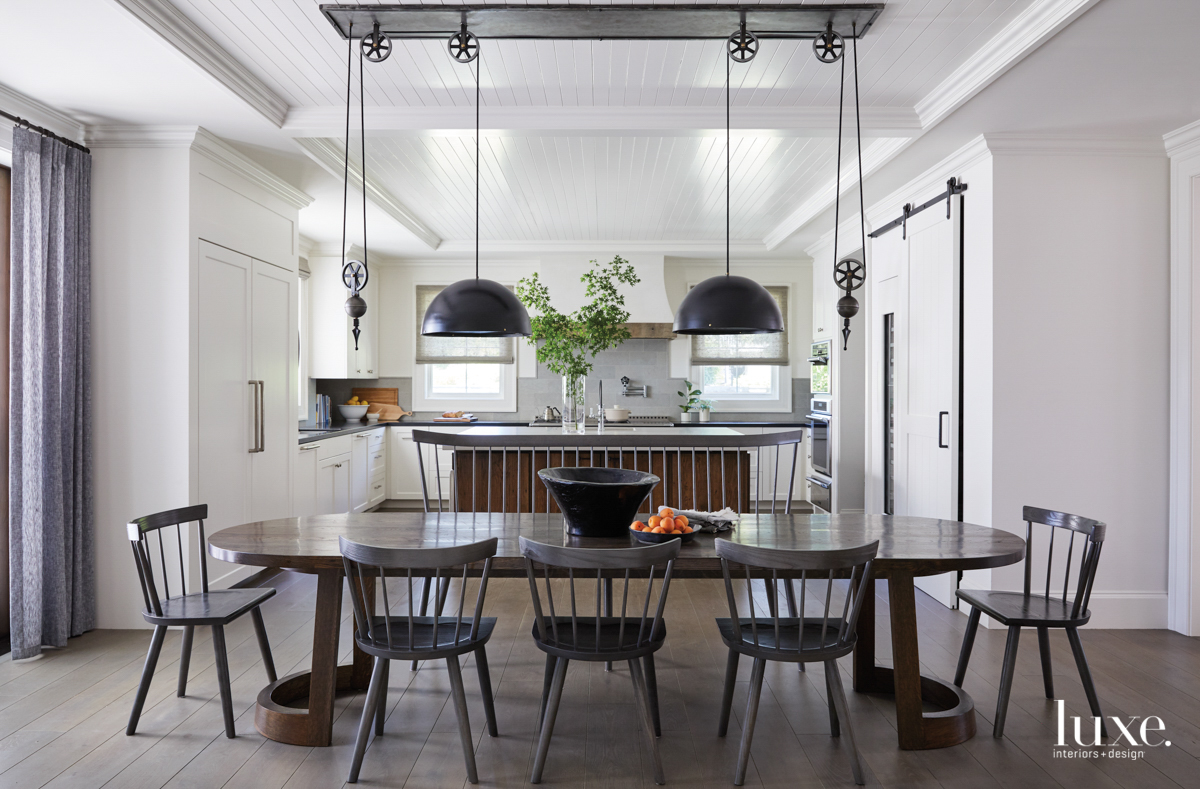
[{"x": 666, "y": 522}]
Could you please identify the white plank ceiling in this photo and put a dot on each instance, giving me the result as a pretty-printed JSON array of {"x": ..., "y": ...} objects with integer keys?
[{"x": 556, "y": 185}]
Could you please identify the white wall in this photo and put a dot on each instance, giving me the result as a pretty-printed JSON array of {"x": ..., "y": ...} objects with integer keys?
[
  {"x": 140, "y": 375},
  {"x": 1080, "y": 305}
]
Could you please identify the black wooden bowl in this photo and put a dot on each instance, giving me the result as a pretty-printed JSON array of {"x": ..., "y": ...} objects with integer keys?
[
  {"x": 598, "y": 502},
  {"x": 649, "y": 536}
]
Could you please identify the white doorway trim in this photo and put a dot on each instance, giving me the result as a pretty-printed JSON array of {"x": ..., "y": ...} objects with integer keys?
[{"x": 1183, "y": 572}]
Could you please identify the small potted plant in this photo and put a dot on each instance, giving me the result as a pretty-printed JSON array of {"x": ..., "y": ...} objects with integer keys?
[
  {"x": 705, "y": 409},
  {"x": 691, "y": 397}
]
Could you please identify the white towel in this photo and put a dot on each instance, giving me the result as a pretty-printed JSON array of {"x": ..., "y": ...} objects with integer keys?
[{"x": 712, "y": 522}]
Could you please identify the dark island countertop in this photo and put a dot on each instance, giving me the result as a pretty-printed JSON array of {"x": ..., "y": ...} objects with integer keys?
[{"x": 309, "y": 433}]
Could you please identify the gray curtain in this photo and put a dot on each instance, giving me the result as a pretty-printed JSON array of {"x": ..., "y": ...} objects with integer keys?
[{"x": 51, "y": 566}]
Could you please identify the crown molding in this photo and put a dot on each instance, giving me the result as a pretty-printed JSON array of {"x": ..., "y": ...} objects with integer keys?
[
  {"x": 217, "y": 150},
  {"x": 1028, "y": 31},
  {"x": 38, "y": 113},
  {"x": 328, "y": 154},
  {"x": 598, "y": 248},
  {"x": 141, "y": 136},
  {"x": 308, "y": 247},
  {"x": 1183, "y": 141},
  {"x": 1073, "y": 145},
  {"x": 183, "y": 34},
  {"x": 607, "y": 121},
  {"x": 875, "y": 156}
]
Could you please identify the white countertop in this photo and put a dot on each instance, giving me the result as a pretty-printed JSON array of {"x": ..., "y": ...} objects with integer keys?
[{"x": 609, "y": 430}]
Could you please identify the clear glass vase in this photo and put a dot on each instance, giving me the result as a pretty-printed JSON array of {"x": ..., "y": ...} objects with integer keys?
[{"x": 574, "y": 409}]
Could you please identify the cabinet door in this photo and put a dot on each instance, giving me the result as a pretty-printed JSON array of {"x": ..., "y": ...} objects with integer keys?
[
  {"x": 305, "y": 487},
  {"x": 360, "y": 472},
  {"x": 333, "y": 485},
  {"x": 404, "y": 474},
  {"x": 225, "y": 398},
  {"x": 366, "y": 356},
  {"x": 273, "y": 359}
]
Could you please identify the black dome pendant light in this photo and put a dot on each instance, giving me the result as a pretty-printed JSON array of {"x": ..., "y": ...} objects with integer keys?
[
  {"x": 730, "y": 304},
  {"x": 474, "y": 307},
  {"x": 849, "y": 274}
]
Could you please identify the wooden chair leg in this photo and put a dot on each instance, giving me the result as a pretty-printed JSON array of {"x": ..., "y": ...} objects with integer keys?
[
  {"x": 835, "y": 728},
  {"x": 756, "y": 680},
  {"x": 156, "y": 642},
  {"x": 1047, "y": 668},
  {"x": 652, "y": 693},
  {"x": 381, "y": 702},
  {"x": 837, "y": 695},
  {"x": 370, "y": 704},
  {"x": 264, "y": 646},
  {"x": 731, "y": 667},
  {"x": 964, "y": 654},
  {"x": 641, "y": 692},
  {"x": 424, "y": 606},
  {"x": 218, "y": 636},
  {"x": 1085, "y": 676},
  {"x": 185, "y": 659},
  {"x": 485, "y": 689},
  {"x": 464, "y": 722},
  {"x": 547, "y": 681},
  {"x": 1006, "y": 680},
  {"x": 556, "y": 686}
]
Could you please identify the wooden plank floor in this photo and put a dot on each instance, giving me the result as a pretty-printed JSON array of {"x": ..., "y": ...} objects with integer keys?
[{"x": 62, "y": 718}]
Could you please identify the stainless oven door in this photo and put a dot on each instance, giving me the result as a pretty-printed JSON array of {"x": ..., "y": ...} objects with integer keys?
[
  {"x": 820, "y": 494},
  {"x": 819, "y": 444}
]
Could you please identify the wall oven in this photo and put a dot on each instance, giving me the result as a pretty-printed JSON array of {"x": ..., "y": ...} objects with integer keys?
[
  {"x": 820, "y": 493},
  {"x": 820, "y": 481}
]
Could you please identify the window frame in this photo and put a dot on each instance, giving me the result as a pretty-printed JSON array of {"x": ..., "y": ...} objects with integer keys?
[
  {"x": 780, "y": 403},
  {"x": 506, "y": 402}
]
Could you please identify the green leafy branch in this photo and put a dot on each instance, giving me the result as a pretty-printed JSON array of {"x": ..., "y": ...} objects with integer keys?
[{"x": 571, "y": 342}]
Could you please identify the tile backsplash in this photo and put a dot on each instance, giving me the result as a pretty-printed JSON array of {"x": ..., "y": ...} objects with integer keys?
[{"x": 645, "y": 362}]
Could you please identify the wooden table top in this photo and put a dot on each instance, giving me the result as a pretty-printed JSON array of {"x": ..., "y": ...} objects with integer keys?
[{"x": 919, "y": 546}]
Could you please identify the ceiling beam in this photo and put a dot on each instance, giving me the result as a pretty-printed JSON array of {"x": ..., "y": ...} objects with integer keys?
[
  {"x": 605, "y": 121},
  {"x": 1034, "y": 26},
  {"x": 329, "y": 155},
  {"x": 183, "y": 34}
]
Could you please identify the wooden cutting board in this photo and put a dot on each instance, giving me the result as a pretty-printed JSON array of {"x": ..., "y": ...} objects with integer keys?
[{"x": 378, "y": 396}]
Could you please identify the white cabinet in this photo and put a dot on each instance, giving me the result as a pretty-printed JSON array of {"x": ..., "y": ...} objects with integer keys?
[
  {"x": 333, "y": 484},
  {"x": 404, "y": 472},
  {"x": 305, "y": 501},
  {"x": 245, "y": 351},
  {"x": 368, "y": 469},
  {"x": 825, "y": 296},
  {"x": 333, "y": 348}
]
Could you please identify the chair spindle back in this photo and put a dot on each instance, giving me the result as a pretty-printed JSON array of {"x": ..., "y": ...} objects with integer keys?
[
  {"x": 364, "y": 564},
  {"x": 1088, "y": 554},
  {"x": 140, "y": 531}
]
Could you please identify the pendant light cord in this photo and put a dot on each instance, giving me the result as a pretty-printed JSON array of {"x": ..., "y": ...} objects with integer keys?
[
  {"x": 478, "y": 67},
  {"x": 362, "y": 119},
  {"x": 837, "y": 195},
  {"x": 862, "y": 213},
  {"x": 346, "y": 150},
  {"x": 728, "y": 90}
]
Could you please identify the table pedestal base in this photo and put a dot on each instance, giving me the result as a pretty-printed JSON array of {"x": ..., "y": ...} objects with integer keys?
[
  {"x": 954, "y": 723},
  {"x": 313, "y": 726}
]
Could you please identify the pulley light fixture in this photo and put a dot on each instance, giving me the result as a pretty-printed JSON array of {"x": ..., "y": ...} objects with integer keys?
[
  {"x": 850, "y": 273},
  {"x": 374, "y": 47},
  {"x": 474, "y": 307},
  {"x": 730, "y": 304}
]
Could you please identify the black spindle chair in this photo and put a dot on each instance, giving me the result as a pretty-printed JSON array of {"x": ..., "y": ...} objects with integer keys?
[
  {"x": 793, "y": 639},
  {"x": 633, "y": 636},
  {"x": 1015, "y": 610},
  {"x": 413, "y": 636},
  {"x": 215, "y": 608}
]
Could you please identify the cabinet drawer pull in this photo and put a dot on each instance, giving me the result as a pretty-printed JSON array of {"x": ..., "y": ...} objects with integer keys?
[
  {"x": 377, "y": 487},
  {"x": 337, "y": 465},
  {"x": 308, "y": 448},
  {"x": 377, "y": 457}
]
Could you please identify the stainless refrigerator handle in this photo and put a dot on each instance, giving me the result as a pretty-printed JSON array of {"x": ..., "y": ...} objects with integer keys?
[
  {"x": 258, "y": 417},
  {"x": 262, "y": 416}
]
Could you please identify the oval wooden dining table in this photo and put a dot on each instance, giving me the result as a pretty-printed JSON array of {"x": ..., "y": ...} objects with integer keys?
[{"x": 908, "y": 547}]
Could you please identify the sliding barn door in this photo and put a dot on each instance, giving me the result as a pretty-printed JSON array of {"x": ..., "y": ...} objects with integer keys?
[{"x": 926, "y": 323}]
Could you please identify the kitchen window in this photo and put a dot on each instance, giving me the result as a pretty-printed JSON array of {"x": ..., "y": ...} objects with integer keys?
[
  {"x": 745, "y": 372},
  {"x": 462, "y": 373}
]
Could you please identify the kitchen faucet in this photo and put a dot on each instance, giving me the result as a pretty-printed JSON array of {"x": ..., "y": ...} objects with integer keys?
[{"x": 633, "y": 391}]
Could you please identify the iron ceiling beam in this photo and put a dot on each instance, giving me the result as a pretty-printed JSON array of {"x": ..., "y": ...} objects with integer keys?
[{"x": 581, "y": 22}]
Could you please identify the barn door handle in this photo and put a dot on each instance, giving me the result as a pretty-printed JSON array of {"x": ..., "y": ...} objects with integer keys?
[{"x": 941, "y": 444}]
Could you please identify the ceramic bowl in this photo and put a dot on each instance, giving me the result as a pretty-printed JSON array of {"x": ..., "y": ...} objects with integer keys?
[
  {"x": 353, "y": 413},
  {"x": 616, "y": 414},
  {"x": 649, "y": 536},
  {"x": 598, "y": 502}
]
